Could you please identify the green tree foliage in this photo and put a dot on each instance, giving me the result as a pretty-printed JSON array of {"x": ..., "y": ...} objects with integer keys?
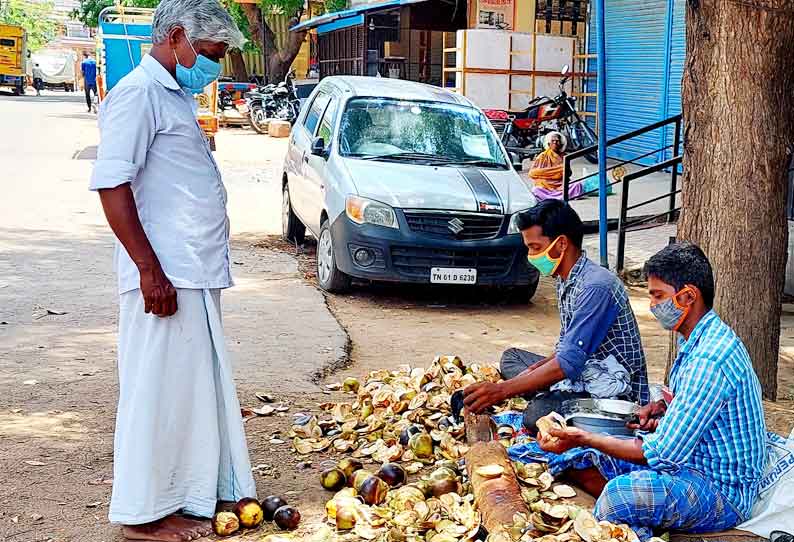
[
  {"x": 237, "y": 13},
  {"x": 335, "y": 5},
  {"x": 287, "y": 7},
  {"x": 88, "y": 12},
  {"x": 34, "y": 18}
]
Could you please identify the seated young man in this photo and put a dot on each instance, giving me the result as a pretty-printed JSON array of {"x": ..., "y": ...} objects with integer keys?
[
  {"x": 599, "y": 353},
  {"x": 698, "y": 467}
]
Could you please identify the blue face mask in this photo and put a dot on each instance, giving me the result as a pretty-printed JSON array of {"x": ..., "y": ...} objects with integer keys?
[{"x": 203, "y": 72}]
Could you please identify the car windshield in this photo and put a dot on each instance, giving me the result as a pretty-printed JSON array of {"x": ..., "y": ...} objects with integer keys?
[{"x": 430, "y": 132}]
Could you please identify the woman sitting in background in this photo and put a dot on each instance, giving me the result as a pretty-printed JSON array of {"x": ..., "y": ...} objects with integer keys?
[{"x": 547, "y": 170}]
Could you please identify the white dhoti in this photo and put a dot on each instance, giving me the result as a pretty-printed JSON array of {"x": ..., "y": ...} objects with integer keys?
[{"x": 179, "y": 443}]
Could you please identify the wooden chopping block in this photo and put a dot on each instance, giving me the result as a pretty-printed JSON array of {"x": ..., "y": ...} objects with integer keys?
[
  {"x": 278, "y": 128},
  {"x": 731, "y": 535},
  {"x": 498, "y": 499},
  {"x": 479, "y": 427}
]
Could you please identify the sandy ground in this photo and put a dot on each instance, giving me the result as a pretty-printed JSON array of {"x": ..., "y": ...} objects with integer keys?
[
  {"x": 58, "y": 310},
  {"x": 57, "y": 371}
]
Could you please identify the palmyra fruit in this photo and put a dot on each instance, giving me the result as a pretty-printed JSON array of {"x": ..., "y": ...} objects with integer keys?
[
  {"x": 287, "y": 517},
  {"x": 250, "y": 513},
  {"x": 225, "y": 523}
]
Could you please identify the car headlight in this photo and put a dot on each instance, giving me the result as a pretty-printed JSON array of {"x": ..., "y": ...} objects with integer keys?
[
  {"x": 365, "y": 211},
  {"x": 513, "y": 226}
]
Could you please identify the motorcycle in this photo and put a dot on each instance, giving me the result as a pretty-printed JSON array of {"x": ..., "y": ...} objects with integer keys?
[
  {"x": 271, "y": 102},
  {"x": 526, "y": 129},
  {"x": 225, "y": 100}
]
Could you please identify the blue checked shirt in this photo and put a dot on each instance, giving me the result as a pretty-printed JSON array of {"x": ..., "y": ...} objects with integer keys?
[
  {"x": 596, "y": 321},
  {"x": 715, "y": 423}
]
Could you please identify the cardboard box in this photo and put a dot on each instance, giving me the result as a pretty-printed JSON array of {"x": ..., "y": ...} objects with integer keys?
[{"x": 278, "y": 128}]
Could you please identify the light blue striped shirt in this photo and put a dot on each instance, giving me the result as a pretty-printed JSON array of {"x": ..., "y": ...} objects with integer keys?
[{"x": 715, "y": 423}]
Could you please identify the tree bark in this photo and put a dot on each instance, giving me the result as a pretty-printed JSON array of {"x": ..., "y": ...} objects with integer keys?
[
  {"x": 254, "y": 15},
  {"x": 238, "y": 65},
  {"x": 479, "y": 427},
  {"x": 498, "y": 499},
  {"x": 278, "y": 61},
  {"x": 738, "y": 110}
]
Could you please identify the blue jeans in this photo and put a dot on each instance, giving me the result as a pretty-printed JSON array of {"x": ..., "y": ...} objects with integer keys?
[{"x": 89, "y": 88}]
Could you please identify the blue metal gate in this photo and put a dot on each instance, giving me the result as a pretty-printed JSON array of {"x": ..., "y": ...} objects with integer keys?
[{"x": 645, "y": 58}]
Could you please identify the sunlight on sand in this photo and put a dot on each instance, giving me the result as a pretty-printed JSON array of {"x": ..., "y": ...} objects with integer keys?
[{"x": 63, "y": 425}]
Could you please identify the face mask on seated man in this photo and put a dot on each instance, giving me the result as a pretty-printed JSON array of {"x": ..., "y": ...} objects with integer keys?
[
  {"x": 599, "y": 352},
  {"x": 697, "y": 463}
]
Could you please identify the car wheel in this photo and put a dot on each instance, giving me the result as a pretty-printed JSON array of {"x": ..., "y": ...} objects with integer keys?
[
  {"x": 524, "y": 294},
  {"x": 330, "y": 278},
  {"x": 291, "y": 227}
]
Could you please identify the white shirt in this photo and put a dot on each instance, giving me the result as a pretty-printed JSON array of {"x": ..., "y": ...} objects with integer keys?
[{"x": 150, "y": 138}]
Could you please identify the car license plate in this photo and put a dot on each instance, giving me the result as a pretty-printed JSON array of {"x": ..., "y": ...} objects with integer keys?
[
  {"x": 242, "y": 109},
  {"x": 451, "y": 275}
]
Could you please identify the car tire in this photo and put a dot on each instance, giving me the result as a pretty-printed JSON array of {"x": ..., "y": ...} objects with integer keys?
[
  {"x": 292, "y": 229},
  {"x": 329, "y": 277},
  {"x": 524, "y": 294}
]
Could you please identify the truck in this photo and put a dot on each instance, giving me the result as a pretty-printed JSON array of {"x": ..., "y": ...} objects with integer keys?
[
  {"x": 57, "y": 67},
  {"x": 13, "y": 58}
]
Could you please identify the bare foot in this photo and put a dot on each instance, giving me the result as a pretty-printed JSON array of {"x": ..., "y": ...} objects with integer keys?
[{"x": 169, "y": 529}]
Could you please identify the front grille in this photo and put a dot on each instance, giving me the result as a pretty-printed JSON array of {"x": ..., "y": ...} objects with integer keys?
[
  {"x": 476, "y": 226},
  {"x": 416, "y": 261}
]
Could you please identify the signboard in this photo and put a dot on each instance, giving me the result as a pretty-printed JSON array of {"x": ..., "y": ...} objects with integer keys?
[{"x": 496, "y": 14}]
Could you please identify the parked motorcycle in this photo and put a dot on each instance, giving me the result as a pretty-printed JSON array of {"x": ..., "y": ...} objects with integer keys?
[
  {"x": 225, "y": 100},
  {"x": 271, "y": 102},
  {"x": 526, "y": 129}
]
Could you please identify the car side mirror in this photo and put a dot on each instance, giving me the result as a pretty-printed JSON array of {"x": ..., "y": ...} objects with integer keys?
[
  {"x": 518, "y": 164},
  {"x": 318, "y": 147}
]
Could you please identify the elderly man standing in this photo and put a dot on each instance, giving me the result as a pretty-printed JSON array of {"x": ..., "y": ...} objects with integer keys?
[{"x": 179, "y": 444}]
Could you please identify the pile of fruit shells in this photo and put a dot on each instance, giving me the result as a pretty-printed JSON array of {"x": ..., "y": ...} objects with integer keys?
[{"x": 398, "y": 425}]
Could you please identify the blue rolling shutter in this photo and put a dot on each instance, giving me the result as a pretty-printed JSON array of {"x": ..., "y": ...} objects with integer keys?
[
  {"x": 637, "y": 37},
  {"x": 676, "y": 70}
]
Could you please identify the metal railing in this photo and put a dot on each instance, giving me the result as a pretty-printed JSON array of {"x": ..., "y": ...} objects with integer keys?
[{"x": 671, "y": 164}]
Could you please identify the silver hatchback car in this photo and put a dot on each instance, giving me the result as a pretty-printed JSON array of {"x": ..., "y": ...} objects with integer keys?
[{"x": 401, "y": 181}]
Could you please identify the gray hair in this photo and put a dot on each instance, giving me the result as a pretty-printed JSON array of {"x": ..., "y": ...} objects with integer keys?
[
  {"x": 547, "y": 140},
  {"x": 201, "y": 19}
]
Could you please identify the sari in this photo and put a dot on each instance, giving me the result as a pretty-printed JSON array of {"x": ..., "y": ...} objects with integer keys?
[{"x": 547, "y": 173}]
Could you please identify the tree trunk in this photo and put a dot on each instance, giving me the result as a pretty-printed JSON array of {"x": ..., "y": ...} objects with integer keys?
[
  {"x": 498, "y": 499},
  {"x": 254, "y": 15},
  {"x": 278, "y": 61},
  {"x": 238, "y": 65},
  {"x": 738, "y": 109}
]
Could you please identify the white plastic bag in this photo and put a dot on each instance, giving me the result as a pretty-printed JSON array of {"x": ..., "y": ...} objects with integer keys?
[{"x": 774, "y": 509}]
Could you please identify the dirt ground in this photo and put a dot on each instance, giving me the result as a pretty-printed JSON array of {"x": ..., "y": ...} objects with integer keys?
[{"x": 58, "y": 308}]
